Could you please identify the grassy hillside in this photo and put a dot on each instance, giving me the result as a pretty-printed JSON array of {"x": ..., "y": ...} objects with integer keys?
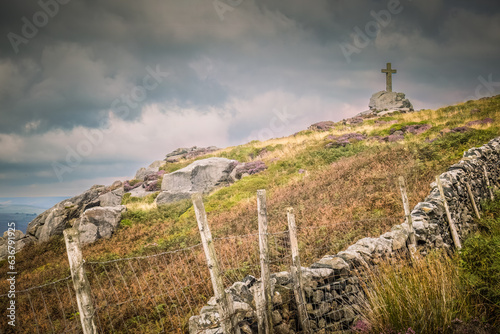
[{"x": 328, "y": 185}]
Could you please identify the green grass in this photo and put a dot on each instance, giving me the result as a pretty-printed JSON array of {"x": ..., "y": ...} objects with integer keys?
[
  {"x": 425, "y": 296},
  {"x": 480, "y": 260},
  {"x": 433, "y": 294}
]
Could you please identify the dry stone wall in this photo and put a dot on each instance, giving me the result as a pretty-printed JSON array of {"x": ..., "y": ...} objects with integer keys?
[{"x": 332, "y": 287}]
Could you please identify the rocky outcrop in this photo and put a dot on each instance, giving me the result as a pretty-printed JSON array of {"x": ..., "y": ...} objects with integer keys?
[
  {"x": 188, "y": 153},
  {"x": 332, "y": 289},
  {"x": 144, "y": 174},
  {"x": 200, "y": 176},
  {"x": 111, "y": 198},
  {"x": 20, "y": 241},
  {"x": 67, "y": 213},
  {"x": 55, "y": 220},
  {"x": 99, "y": 222},
  {"x": 384, "y": 101}
]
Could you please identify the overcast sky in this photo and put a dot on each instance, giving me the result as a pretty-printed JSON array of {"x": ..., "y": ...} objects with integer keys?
[{"x": 92, "y": 90}]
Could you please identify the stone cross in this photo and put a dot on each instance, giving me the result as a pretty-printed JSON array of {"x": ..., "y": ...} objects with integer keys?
[{"x": 388, "y": 77}]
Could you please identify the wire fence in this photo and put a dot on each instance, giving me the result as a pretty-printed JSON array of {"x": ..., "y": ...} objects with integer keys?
[
  {"x": 149, "y": 294},
  {"x": 49, "y": 308},
  {"x": 159, "y": 293}
]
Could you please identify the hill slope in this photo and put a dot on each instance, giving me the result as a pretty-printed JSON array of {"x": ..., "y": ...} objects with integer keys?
[{"x": 347, "y": 173}]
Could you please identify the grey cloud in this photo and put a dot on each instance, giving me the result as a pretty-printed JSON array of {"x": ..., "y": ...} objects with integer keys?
[{"x": 93, "y": 53}]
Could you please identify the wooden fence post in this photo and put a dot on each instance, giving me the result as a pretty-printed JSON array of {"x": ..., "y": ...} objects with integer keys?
[
  {"x": 224, "y": 301},
  {"x": 296, "y": 272},
  {"x": 488, "y": 184},
  {"x": 264, "y": 261},
  {"x": 80, "y": 281},
  {"x": 454, "y": 234},
  {"x": 406, "y": 206},
  {"x": 471, "y": 197}
]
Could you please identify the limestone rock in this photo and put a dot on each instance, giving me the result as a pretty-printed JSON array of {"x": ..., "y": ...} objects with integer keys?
[
  {"x": 200, "y": 176},
  {"x": 111, "y": 198},
  {"x": 59, "y": 217},
  {"x": 390, "y": 101},
  {"x": 99, "y": 222},
  {"x": 143, "y": 173}
]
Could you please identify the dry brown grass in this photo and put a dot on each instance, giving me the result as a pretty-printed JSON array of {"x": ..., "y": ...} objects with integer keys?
[{"x": 335, "y": 204}]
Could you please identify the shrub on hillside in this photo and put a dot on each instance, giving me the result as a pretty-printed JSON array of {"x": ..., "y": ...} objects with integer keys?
[
  {"x": 131, "y": 184},
  {"x": 250, "y": 168}
]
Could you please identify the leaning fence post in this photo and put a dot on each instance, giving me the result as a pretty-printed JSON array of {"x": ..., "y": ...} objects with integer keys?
[
  {"x": 453, "y": 229},
  {"x": 264, "y": 261},
  {"x": 80, "y": 281},
  {"x": 473, "y": 201},
  {"x": 224, "y": 301},
  {"x": 490, "y": 189},
  {"x": 406, "y": 206},
  {"x": 296, "y": 272}
]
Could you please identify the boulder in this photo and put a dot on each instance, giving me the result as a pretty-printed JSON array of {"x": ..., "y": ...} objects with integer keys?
[
  {"x": 20, "y": 240},
  {"x": 111, "y": 198},
  {"x": 99, "y": 222},
  {"x": 59, "y": 217},
  {"x": 200, "y": 176},
  {"x": 389, "y": 101},
  {"x": 143, "y": 173}
]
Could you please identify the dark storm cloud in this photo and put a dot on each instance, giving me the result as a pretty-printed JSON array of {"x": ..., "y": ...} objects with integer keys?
[
  {"x": 229, "y": 70},
  {"x": 92, "y": 52}
]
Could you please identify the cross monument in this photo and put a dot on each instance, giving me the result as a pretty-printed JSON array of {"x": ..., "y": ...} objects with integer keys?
[{"x": 388, "y": 77}]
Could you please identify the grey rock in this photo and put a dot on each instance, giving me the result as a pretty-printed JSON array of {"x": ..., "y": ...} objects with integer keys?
[
  {"x": 18, "y": 234},
  {"x": 157, "y": 164},
  {"x": 201, "y": 176},
  {"x": 332, "y": 262},
  {"x": 60, "y": 216},
  {"x": 390, "y": 101},
  {"x": 140, "y": 192},
  {"x": 99, "y": 222},
  {"x": 112, "y": 198},
  {"x": 142, "y": 173}
]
